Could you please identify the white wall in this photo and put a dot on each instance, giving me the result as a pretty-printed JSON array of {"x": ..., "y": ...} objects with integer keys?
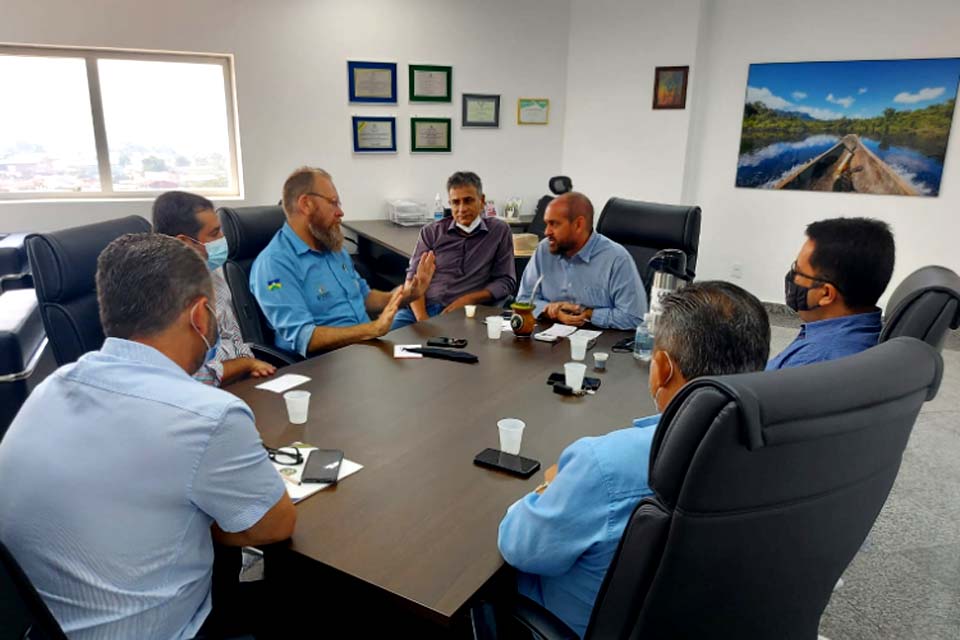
[
  {"x": 291, "y": 84},
  {"x": 762, "y": 230},
  {"x": 614, "y": 143}
]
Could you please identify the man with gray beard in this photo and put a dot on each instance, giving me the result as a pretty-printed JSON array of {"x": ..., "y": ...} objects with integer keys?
[{"x": 305, "y": 281}]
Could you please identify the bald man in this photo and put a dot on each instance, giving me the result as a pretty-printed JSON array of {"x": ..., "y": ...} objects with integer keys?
[{"x": 587, "y": 277}]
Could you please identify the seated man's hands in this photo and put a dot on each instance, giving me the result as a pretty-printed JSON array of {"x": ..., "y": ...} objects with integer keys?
[
  {"x": 417, "y": 286},
  {"x": 260, "y": 369},
  {"x": 573, "y": 314},
  {"x": 384, "y": 321}
]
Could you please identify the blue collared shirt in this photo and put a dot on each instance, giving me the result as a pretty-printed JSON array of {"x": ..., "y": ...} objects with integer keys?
[
  {"x": 601, "y": 276},
  {"x": 299, "y": 289},
  {"x": 830, "y": 339},
  {"x": 563, "y": 541},
  {"x": 110, "y": 477}
]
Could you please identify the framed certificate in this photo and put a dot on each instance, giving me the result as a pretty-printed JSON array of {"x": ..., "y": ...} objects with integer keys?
[
  {"x": 374, "y": 134},
  {"x": 430, "y": 83},
  {"x": 533, "y": 111},
  {"x": 481, "y": 110},
  {"x": 372, "y": 81},
  {"x": 429, "y": 134}
]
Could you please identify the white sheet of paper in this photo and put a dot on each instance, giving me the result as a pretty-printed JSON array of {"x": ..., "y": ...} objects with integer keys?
[
  {"x": 400, "y": 351},
  {"x": 589, "y": 334},
  {"x": 559, "y": 330},
  {"x": 283, "y": 383}
]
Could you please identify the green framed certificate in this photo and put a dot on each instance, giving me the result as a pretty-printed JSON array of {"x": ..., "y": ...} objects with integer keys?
[
  {"x": 429, "y": 135},
  {"x": 533, "y": 111},
  {"x": 481, "y": 110},
  {"x": 431, "y": 83}
]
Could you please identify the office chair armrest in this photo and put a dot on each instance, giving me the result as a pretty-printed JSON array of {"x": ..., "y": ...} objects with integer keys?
[
  {"x": 522, "y": 618},
  {"x": 276, "y": 357},
  {"x": 539, "y": 621}
]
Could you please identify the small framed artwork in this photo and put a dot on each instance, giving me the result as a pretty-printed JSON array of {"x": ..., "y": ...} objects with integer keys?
[
  {"x": 481, "y": 110},
  {"x": 430, "y": 83},
  {"x": 374, "y": 134},
  {"x": 429, "y": 135},
  {"x": 533, "y": 111},
  {"x": 670, "y": 87},
  {"x": 374, "y": 82}
]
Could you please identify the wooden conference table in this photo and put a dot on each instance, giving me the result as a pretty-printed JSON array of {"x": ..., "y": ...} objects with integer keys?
[{"x": 420, "y": 520}]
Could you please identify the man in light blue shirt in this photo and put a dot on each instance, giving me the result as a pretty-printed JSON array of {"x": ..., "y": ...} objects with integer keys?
[
  {"x": 120, "y": 471},
  {"x": 305, "y": 282},
  {"x": 563, "y": 537},
  {"x": 586, "y": 276},
  {"x": 839, "y": 275}
]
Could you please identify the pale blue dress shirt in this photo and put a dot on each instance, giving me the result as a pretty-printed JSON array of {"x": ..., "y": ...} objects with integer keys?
[
  {"x": 563, "y": 541},
  {"x": 830, "y": 339},
  {"x": 110, "y": 477},
  {"x": 601, "y": 276},
  {"x": 299, "y": 289}
]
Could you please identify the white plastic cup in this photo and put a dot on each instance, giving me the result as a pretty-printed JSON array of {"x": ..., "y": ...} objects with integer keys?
[
  {"x": 578, "y": 347},
  {"x": 573, "y": 373},
  {"x": 470, "y": 310},
  {"x": 298, "y": 402},
  {"x": 494, "y": 327},
  {"x": 600, "y": 360},
  {"x": 511, "y": 434}
]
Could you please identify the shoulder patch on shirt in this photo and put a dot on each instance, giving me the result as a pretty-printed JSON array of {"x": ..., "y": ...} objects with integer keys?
[{"x": 273, "y": 285}]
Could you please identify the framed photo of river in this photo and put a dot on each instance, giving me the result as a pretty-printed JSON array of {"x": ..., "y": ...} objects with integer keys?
[{"x": 864, "y": 126}]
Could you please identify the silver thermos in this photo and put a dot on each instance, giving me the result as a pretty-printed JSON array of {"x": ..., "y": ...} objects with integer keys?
[{"x": 669, "y": 274}]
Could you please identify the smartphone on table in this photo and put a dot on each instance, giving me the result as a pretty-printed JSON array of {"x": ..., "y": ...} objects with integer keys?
[
  {"x": 322, "y": 466},
  {"x": 456, "y": 343},
  {"x": 516, "y": 465}
]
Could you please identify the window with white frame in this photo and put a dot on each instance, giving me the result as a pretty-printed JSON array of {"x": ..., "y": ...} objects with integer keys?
[{"x": 88, "y": 123}]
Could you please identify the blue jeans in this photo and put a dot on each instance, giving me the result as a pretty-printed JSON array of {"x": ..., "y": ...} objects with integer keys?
[{"x": 405, "y": 316}]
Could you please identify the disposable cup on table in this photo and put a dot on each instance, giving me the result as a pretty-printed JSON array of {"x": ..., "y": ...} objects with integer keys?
[
  {"x": 470, "y": 310},
  {"x": 494, "y": 327},
  {"x": 511, "y": 435},
  {"x": 573, "y": 373},
  {"x": 600, "y": 360},
  {"x": 298, "y": 404},
  {"x": 578, "y": 347}
]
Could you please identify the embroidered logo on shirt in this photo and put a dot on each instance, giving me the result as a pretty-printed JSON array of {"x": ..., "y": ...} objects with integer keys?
[{"x": 273, "y": 285}]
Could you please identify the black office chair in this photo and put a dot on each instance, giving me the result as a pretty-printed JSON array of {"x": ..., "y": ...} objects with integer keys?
[
  {"x": 644, "y": 228},
  {"x": 765, "y": 485},
  {"x": 64, "y": 265},
  {"x": 559, "y": 185},
  {"x": 248, "y": 230},
  {"x": 23, "y": 614},
  {"x": 924, "y": 306}
]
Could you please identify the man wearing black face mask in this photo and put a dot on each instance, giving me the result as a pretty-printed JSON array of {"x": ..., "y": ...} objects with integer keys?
[
  {"x": 142, "y": 468},
  {"x": 840, "y": 273}
]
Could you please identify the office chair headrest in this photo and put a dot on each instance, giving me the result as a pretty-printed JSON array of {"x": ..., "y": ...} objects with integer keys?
[
  {"x": 249, "y": 229},
  {"x": 650, "y": 224},
  {"x": 927, "y": 279},
  {"x": 560, "y": 185},
  {"x": 64, "y": 262}
]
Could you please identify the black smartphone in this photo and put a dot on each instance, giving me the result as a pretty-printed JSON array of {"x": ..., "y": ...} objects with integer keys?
[
  {"x": 456, "y": 343},
  {"x": 516, "y": 465},
  {"x": 589, "y": 384},
  {"x": 323, "y": 465},
  {"x": 623, "y": 346}
]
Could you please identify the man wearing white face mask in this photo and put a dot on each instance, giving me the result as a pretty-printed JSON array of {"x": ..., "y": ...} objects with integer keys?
[
  {"x": 143, "y": 469},
  {"x": 191, "y": 219},
  {"x": 474, "y": 255},
  {"x": 563, "y": 536}
]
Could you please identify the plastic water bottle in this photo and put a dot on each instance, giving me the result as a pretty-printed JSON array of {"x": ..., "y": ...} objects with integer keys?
[
  {"x": 643, "y": 341},
  {"x": 438, "y": 208}
]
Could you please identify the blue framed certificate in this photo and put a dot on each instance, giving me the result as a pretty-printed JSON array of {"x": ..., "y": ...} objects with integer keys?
[
  {"x": 374, "y": 82},
  {"x": 374, "y": 134}
]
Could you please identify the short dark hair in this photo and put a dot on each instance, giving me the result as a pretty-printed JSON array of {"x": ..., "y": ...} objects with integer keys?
[
  {"x": 144, "y": 281},
  {"x": 175, "y": 212},
  {"x": 714, "y": 328},
  {"x": 577, "y": 205},
  {"x": 465, "y": 179},
  {"x": 298, "y": 183},
  {"x": 856, "y": 255}
]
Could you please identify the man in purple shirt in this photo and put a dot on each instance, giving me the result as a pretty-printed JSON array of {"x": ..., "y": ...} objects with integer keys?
[{"x": 474, "y": 255}]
